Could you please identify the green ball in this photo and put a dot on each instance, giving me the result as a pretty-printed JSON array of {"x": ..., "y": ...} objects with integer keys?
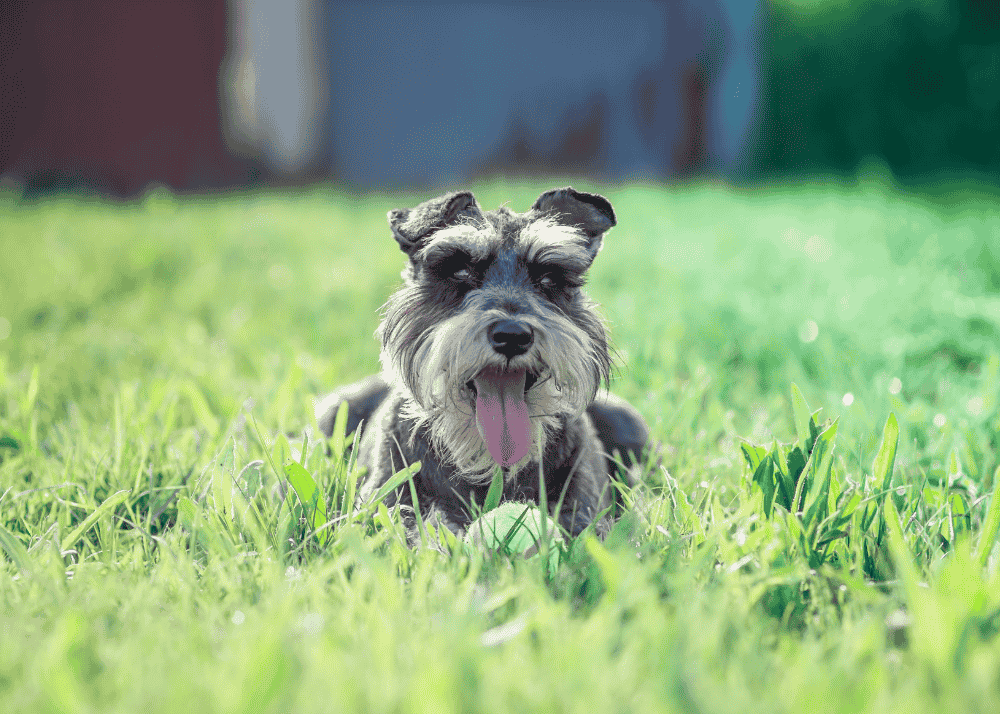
[{"x": 514, "y": 529}]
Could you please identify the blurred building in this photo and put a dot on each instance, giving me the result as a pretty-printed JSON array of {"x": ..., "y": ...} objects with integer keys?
[
  {"x": 207, "y": 93},
  {"x": 113, "y": 94},
  {"x": 421, "y": 93}
]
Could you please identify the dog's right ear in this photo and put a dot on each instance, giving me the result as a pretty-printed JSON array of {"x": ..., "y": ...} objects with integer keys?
[
  {"x": 412, "y": 226},
  {"x": 590, "y": 213}
]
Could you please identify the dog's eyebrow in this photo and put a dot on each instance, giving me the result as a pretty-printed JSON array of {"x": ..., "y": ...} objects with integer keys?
[
  {"x": 546, "y": 241},
  {"x": 577, "y": 263},
  {"x": 456, "y": 239}
]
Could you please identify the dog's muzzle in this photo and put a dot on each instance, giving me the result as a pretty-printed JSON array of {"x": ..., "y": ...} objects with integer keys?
[{"x": 510, "y": 337}]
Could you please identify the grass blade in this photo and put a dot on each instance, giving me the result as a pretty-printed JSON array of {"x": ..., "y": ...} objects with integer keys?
[
  {"x": 222, "y": 469},
  {"x": 109, "y": 503},
  {"x": 308, "y": 493},
  {"x": 392, "y": 484},
  {"x": 784, "y": 483},
  {"x": 339, "y": 427},
  {"x": 609, "y": 569},
  {"x": 886, "y": 457},
  {"x": 800, "y": 409},
  {"x": 543, "y": 506},
  {"x": 496, "y": 490},
  {"x": 900, "y": 552},
  {"x": 15, "y": 549},
  {"x": 991, "y": 525}
]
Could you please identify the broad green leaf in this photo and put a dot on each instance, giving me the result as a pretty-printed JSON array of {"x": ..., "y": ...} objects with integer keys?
[
  {"x": 109, "y": 503},
  {"x": 801, "y": 487},
  {"x": 764, "y": 478},
  {"x": 798, "y": 473},
  {"x": 309, "y": 495},
  {"x": 753, "y": 454},
  {"x": 784, "y": 481},
  {"x": 814, "y": 428},
  {"x": 817, "y": 500}
]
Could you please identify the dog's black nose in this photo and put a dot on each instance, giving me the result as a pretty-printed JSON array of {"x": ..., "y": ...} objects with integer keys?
[{"x": 510, "y": 337}]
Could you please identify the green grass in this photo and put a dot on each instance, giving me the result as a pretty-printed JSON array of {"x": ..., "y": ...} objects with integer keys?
[{"x": 153, "y": 355}]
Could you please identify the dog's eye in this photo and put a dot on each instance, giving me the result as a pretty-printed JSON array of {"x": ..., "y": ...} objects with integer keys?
[
  {"x": 550, "y": 277},
  {"x": 457, "y": 267}
]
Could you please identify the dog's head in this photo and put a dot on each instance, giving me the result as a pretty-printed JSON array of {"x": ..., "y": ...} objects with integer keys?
[{"x": 491, "y": 334}]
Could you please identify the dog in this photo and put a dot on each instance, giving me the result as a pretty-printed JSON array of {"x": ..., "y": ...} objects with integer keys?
[{"x": 492, "y": 356}]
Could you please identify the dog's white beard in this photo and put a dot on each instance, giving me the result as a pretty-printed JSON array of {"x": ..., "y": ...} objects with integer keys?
[{"x": 450, "y": 357}]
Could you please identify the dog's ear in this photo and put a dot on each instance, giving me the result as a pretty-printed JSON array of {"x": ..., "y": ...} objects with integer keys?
[
  {"x": 588, "y": 212},
  {"x": 411, "y": 226}
]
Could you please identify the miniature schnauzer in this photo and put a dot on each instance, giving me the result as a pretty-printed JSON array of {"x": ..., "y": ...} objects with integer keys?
[{"x": 493, "y": 356}]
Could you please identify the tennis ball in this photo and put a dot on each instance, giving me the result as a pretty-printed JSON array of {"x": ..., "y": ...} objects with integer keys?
[{"x": 514, "y": 529}]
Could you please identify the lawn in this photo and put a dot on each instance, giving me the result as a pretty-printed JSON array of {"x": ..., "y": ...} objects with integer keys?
[{"x": 158, "y": 362}]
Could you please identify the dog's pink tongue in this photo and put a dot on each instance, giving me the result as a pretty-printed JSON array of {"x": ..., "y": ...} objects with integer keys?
[{"x": 502, "y": 414}]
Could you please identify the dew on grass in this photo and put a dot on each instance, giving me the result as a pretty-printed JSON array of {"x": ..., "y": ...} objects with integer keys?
[
  {"x": 818, "y": 248},
  {"x": 280, "y": 276},
  {"x": 808, "y": 331},
  {"x": 975, "y": 406},
  {"x": 894, "y": 346},
  {"x": 311, "y": 622},
  {"x": 238, "y": 317}
]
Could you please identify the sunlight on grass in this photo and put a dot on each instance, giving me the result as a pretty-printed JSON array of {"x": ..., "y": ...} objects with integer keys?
[{"x": 821, "y": 363}]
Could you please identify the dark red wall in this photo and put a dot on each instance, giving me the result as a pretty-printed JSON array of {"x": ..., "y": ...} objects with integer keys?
[{"x": 113, "y": 94}]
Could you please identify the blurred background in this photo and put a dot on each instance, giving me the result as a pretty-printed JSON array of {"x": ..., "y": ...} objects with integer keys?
[{"x": 112, "y": 96}]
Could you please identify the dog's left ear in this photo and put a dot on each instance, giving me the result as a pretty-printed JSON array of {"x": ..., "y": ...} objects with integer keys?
[
  {"x": 411, "y": 226},
  {"x": 588, "y": 212}
]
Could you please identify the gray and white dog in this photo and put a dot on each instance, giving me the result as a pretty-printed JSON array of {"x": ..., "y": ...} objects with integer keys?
[{"x": 493, "y": 356}]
